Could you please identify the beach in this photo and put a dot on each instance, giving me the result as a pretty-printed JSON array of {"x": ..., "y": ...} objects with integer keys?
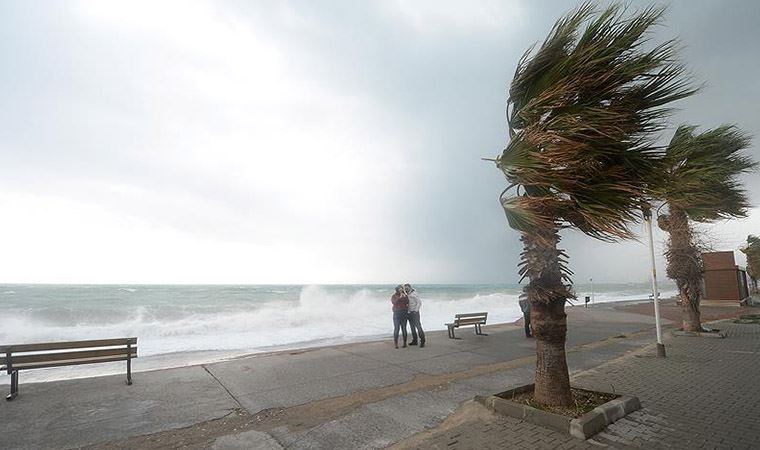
[{"x": 403, "y": 225}]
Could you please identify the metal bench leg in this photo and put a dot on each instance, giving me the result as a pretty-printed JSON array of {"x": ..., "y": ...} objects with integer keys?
[
  {"x": 14, "y": 386},
  {"x": 129, "y": 364}
]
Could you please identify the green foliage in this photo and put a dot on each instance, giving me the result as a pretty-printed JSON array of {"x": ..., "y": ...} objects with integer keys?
[
  {"x": 700, "y": 173},
  {"x": 698, "y": 179},
  {"x": 582, "y": 111},
  {"x": 752, "y": 250}
]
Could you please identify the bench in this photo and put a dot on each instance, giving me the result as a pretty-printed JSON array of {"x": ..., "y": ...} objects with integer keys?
[
  {"x": 462, "y": 320},
  {"x": 49, "y": 354}
]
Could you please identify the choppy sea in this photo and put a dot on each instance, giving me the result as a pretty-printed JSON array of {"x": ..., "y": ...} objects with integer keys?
[{"x": 213, "y": 321}]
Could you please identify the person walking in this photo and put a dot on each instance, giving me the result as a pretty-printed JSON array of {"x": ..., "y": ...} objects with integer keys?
[
  {"x": 414, "y": 315},
  {"x": 400, "y": 314},
  {"x": 525, "y": 307}
]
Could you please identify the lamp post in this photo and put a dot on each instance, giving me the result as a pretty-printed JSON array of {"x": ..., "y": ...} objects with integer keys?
[{"x": 655, "y": 294}]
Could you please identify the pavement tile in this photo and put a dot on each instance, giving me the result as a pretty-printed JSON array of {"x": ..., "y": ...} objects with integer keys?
[{"x": 703, "y": 395}]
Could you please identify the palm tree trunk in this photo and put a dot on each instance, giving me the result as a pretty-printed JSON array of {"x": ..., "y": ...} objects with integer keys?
[
  {"x": 685, "y": 267},
  {"x": 547, "y": 294},
  {"x": 552, "y": 381}
]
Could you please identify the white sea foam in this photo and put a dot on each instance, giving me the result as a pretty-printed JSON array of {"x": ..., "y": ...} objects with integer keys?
[
  {"x": 211, "y": 319},
  {"x": 316, "y": 315}
]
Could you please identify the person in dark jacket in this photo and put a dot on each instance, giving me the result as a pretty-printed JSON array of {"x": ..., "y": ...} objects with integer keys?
[
  {"x": 525, "y": 307},
  {"x": 400, "y": 313}
]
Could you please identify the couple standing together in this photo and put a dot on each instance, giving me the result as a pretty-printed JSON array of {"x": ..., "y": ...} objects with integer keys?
[{"x": 406, "y": 307}]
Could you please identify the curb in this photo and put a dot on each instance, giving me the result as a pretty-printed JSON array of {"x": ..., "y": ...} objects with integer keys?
[
  {"x": 681, "y": 333},
  {"x": 582, "y": 427}
]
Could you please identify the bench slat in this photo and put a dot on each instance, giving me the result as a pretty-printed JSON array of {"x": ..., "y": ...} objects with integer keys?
[
  {"x": 470, "y": 322},
  {"x": 65, "y": 356},
  {"x": 468, "y": 315},
  {"x": 73, "y": 362},
  {"x": 471, "y": 319},
  {"x": 66, "y": 345}
]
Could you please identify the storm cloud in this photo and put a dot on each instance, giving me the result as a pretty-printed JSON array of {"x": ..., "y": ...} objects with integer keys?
[{"x": 296, "y": 141}]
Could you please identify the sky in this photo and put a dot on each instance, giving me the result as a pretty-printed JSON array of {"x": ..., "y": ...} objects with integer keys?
[{"x": 298, "y": 141}]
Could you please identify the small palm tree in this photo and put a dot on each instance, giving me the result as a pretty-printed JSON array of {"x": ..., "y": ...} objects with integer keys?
[
  {"x": 582, "y": 110},
  {"x": 699, "y": 184},
  {"x": 752, "y": 250}
]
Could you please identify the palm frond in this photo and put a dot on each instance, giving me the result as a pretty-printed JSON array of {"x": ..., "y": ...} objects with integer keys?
[
  {"x": 583, "y": 108},
  {"x": 701, "y": 173}
]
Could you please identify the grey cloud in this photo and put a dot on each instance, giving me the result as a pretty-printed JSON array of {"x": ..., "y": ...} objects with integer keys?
[{"x": 79, "y": 106}]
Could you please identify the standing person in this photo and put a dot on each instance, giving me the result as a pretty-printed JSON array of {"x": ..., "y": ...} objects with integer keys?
[
  {"x": 400, "y": 311},
  {"x": 525, "y": 307},
  {"x": 414, "y": 315}
]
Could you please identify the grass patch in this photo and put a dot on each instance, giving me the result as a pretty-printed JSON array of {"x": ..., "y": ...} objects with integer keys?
[{"x": 748, "y": 319}]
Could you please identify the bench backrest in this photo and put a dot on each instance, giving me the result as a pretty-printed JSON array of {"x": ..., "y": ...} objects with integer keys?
[
  {"x": 50, "y": 354},
  {"x": 471, "y": 319}
]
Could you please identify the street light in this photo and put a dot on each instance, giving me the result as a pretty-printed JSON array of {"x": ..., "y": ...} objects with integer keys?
[{"x": 655, "y": 293}]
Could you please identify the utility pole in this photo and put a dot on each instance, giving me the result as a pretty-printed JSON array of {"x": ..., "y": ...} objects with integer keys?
[{"x": 655, "y": 293}]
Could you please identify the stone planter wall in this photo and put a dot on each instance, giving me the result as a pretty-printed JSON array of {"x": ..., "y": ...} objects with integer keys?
[{"x": 582, "y": 427}]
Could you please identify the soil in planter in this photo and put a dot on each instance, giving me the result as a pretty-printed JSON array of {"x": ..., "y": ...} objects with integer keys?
[
  {"x": 748, "y": 319},
  {"x": 583, "y": 402}
]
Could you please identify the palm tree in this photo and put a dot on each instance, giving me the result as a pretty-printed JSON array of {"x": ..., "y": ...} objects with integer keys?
[
  {"x": 752, "y": 250},
  {"x": 582, "y": 111},
  {"x": 699, "y": 184}
]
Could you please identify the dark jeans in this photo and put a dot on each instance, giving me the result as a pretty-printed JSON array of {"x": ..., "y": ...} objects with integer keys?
[
  {"x": 399, "y": 321},
  {"x": 416, "y": 326},
  {"x": 526, "y": 320}
]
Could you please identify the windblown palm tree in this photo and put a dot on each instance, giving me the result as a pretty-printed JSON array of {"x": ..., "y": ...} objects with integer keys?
[
  {"x": 752, "y": 250},
  {"x": 582, "y": 110},
  {"x": 699, "y": 184}
]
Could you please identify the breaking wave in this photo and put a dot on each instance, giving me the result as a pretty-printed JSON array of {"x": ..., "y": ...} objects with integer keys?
[{"x": 181, "y": 319}]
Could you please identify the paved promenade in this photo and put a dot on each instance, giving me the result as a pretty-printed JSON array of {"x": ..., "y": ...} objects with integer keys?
[
  {"x": 369, "y": 395},
  {"x": 705, "y": 394}
]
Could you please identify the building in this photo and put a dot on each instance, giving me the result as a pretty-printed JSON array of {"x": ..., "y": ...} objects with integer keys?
[{"x": 725, "y": 283}]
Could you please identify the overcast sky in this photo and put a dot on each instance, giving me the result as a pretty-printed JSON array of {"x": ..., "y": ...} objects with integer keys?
[{"x": 298, "y": 141}]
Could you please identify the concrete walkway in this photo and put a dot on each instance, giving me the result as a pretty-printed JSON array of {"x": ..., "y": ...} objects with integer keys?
[
  {"x": 366, "y": 395},
  {"x": 703, "y": 395}
]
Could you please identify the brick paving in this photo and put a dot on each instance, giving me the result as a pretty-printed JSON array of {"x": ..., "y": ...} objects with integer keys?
[
  {"x": 671, "y": 311},
  {"x": 705, "y": 394}
]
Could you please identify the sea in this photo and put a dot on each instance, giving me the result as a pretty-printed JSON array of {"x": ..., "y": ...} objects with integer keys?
[{"x": 188, "y": 324}]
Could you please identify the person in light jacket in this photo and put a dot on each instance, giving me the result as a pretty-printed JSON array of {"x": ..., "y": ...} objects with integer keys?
[{"x": 414, "y": 315}]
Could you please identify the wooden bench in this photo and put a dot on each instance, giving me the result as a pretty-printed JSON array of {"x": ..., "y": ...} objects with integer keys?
[
  {"x": 49, "y": 354},
  {"x": 462, "y": 320}
]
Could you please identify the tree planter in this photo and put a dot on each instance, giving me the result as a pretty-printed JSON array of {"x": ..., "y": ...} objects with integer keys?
[
  {"x": 582, "y": 427},
  {"x": 716, "y": 334}
]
